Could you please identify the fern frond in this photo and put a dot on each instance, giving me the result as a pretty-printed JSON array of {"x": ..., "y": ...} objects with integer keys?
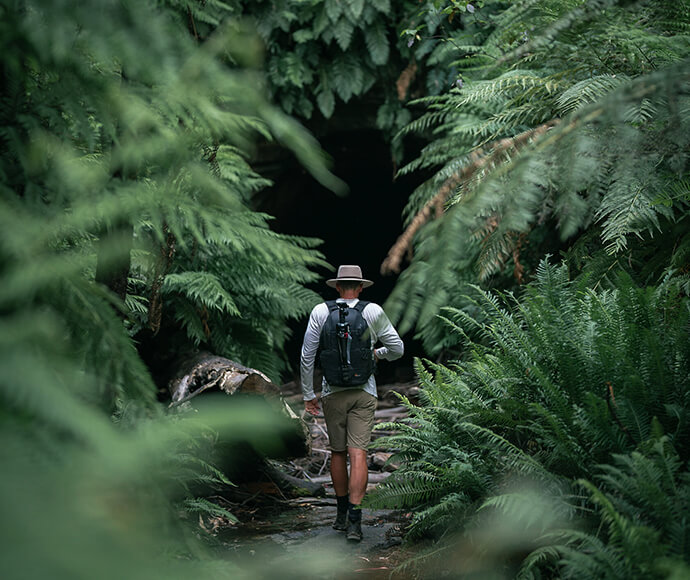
[
  {"x": 413, "y": 489},
  {"x": 587, "y": 91},
  {"x": 203, "y": 506},
  {"x": 203, "y": 288}
]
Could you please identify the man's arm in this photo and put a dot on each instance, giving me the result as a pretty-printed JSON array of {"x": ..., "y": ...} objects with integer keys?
[
  {"x": 393, "y": 346},
  {"x": 310, "y": 346}
]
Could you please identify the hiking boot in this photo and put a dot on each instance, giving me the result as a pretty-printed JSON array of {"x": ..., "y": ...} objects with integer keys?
[
  {"x": 354, "y": 531},
  {"x": 340, "y": 523}
]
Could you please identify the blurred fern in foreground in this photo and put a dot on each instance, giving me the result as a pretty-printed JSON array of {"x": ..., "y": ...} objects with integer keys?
[{"x": 124, "y": 185}]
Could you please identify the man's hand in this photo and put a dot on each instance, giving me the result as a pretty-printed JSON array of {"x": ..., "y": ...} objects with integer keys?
[{"x": 312, "y": 407}]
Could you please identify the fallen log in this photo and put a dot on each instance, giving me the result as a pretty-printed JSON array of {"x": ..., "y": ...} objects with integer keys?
[
  {"x": 395, "y": 412},
  {"x": 204, "y": 372},
  {"x": 293, "y": 486}
]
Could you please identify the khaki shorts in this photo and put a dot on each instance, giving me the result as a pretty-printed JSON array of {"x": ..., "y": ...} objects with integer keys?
[{"x": 349, "y": 418}]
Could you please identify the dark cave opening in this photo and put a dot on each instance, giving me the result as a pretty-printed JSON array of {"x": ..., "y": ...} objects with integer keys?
[{"x": 358, "y": 228}]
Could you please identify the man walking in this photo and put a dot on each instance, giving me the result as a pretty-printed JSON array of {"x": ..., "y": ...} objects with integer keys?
[{"x": 347, "y": 331}]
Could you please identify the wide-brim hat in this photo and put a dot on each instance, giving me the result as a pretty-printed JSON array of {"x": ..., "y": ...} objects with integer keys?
[{"x": 349, "y": 274}]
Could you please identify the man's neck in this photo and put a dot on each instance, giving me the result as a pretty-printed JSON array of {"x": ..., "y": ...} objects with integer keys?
[{"x": 349, "y": 295}]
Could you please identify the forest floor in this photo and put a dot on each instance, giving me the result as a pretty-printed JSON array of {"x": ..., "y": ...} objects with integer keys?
[{"x": 274, "y": 528}]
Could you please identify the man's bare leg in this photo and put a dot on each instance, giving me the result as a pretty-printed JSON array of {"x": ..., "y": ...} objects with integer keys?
[
  {"x": 359, "y": 474},
  {"x": 339, "y": 472}
]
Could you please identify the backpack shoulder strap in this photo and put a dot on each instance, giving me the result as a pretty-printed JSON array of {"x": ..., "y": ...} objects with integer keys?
[
  {"x": 361, "y": 305},
  {"x": 331, "y": 305}
]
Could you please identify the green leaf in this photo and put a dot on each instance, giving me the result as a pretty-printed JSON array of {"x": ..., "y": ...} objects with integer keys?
[
  {"x": 296, "y": 70},
  {"x": 343, "y": 32},
  {"x": 203, "y": 506},
  {"x": 381, "y": 5},
  {"x": 385, "y": 116},
  {"x": 346, "y": 77},
  {"x": 203, "y": 288},
  {"x": 377, "y": 43},
  {"x": 303, "y": 35},
  {"x": 334, "y": 9},
  {"x": 356, "y": 7},
  {"x": 321, "y": 23},
  {"x": 305, "y": 107},
  {"x": 326, "y": 102}
]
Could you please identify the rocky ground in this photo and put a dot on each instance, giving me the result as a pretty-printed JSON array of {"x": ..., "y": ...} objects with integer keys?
[{"x": 294, "y": 534}]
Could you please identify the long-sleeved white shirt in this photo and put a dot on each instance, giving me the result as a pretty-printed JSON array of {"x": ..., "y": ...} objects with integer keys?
[{"x": 381, "y": 330}]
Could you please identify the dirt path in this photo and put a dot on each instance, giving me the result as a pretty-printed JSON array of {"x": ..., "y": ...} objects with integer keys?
[
  {"x": 297, "y": 535},
  {"x": 282, "y": 537}
]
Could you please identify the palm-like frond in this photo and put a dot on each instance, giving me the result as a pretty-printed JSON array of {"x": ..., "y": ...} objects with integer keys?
[{"x": 615, "y": 124}]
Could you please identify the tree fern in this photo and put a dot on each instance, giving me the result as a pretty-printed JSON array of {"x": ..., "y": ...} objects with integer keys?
[
  {"x": 598, "y": 165},
  {"x": 203, "y": 287}
]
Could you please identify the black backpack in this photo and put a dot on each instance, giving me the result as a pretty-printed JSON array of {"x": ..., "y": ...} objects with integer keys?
[{"x": 346, "y": 356}]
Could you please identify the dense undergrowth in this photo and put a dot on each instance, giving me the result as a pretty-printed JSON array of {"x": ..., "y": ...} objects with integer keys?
[
  {"x": 124, "y": 217},
  {"x": 556, "y": 444},
  {"x": 549, "y": 273},
  {"x": 569, "y": 418}
]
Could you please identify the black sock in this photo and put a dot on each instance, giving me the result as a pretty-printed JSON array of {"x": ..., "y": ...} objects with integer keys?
[
  {"x": 354, "y": 513},
  {"x": 343, "y": 502}
]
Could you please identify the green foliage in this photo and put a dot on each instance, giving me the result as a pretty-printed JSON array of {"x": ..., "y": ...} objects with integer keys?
[
  {"x": 204, "y": 506},
  {"x": 643, "y": 506},
  {"x": 84, "y": 499},
  {"x": 237, "y": 302},
  {"x": 566, "y": 383},
  {"x": 125, "y": 139},
  {"x": 570, "y": 119},
  {"x": 651, "y": 488},
  {"x": 323, "y": 54},
  {"x": 144, "y": 136},
  {"x": 318, "y": 51},
  {"x": 566, "y": 133}
]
